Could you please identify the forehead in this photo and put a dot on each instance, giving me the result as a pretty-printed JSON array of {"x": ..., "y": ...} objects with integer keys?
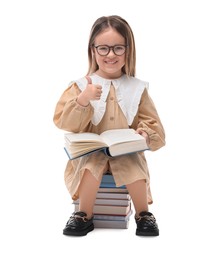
[{"x": 109, "y": 36}]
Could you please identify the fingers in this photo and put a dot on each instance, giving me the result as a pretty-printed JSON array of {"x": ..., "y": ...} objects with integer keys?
[
  {"x": 89, "y": 80},
  {"x": 98, "y": 92},
  {"x": 93, "y": 91}
]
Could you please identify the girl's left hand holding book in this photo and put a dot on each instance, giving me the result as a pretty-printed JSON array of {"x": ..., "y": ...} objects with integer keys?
[{"x": 144, "y": 134}]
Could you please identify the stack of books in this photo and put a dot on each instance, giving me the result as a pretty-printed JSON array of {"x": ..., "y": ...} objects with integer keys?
[{"x": 112, "y": 207}]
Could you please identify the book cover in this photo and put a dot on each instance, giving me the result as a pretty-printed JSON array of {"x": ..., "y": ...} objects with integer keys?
[
  {"x": 109, "y": 182},
  {"x": 108, "y": 177}
]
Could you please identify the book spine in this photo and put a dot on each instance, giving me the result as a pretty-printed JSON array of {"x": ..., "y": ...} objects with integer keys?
[
  {"x": 111, "y": 210},
  {"x": 113, "y": 217},
  {"x": 109, "y": 202},
  {"x": 111, "y": 185},
  {"x": 67, "y": 153},
  {"x": 111, "y": 224},
  {"x": 113, "y": 195},
  {"x": 106, "y": 151}
]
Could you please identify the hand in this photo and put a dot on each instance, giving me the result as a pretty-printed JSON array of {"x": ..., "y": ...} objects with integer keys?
[
  {"x": 91, "y": 92},
  {"x": 144, "y": 134}
]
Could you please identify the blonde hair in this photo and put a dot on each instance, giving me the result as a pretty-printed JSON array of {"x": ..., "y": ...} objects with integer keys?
[{"x": 122, "y": 27}]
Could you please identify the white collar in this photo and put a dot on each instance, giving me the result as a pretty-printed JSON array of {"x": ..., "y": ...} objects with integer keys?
[{"x": 128, "y": 93}]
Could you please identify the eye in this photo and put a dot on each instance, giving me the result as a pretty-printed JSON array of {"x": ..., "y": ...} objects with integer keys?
[
  {"x": 103, "y": 48},
  {"x": 119, "y": 48}
]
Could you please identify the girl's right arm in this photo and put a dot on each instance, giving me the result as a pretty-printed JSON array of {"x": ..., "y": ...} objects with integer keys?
[{"x": 69, "y": 115}]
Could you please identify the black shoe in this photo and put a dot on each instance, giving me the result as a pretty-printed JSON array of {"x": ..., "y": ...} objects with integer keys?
[
  {"x": 146, "y": 224},
  {"x": 78, "y": 225}
]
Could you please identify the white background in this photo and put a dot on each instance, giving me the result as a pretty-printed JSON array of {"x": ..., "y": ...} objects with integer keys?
[{"x": 43, "y": 47}]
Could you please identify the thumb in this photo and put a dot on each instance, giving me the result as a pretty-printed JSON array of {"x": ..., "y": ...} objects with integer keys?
[{"x": 89, "y": 80}]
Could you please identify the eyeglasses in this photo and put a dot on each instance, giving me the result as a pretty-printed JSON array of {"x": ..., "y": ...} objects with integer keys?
[{"x": 104, "y": 50}]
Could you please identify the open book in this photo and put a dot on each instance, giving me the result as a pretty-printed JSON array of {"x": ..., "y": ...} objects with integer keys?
[{"x": 113, "y": 142}]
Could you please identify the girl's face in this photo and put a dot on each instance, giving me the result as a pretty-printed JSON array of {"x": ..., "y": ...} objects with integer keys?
[{"x": 110, "y": 65}]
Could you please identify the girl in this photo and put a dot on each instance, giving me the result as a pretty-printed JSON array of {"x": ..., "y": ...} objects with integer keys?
[{"x": 110, "y": 97}]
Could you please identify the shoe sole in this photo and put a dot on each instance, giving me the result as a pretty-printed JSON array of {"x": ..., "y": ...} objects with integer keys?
[
  {"x": 147, "y": 233},
  {"x": 79, "y": 233}
]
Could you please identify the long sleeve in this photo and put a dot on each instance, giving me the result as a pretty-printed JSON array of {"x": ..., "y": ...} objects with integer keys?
[
  {"x": 69, "y": 115},
  {"x": 148, "y": 120}
]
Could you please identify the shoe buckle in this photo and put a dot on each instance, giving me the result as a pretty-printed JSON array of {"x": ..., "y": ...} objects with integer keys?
[
  {"x": 144, "y": 217},
  {"x": 138, "y": 218},
  {"x": 83, "y": 218}
]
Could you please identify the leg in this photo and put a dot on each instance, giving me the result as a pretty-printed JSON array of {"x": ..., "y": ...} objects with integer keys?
[
  {"x": 138, "y": 192},
  {"x": 81, "y": 222},
  {"x": 87, "y": 193},
  {"x": 145, "y": 220}
]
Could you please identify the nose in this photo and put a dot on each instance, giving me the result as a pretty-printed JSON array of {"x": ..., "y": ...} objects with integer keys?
[{"x": 111, "y": 52}]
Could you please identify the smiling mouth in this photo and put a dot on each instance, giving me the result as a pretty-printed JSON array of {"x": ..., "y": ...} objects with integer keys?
[{"x": 111, "y": 62}]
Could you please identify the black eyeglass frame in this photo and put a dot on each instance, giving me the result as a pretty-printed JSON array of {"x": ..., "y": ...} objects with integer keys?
[{"x": 110, "y": 48}]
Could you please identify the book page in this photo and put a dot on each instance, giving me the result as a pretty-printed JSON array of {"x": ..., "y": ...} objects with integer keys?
[
  {"x": 79, "y": 144},
  {"x": 83, "y": 137},
  {"x": 124, "y": 141},
  {"x": 117, "y": 136}
]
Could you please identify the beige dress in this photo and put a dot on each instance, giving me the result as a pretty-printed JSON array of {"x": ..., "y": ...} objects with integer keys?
[{"x": 70, "y": 116}]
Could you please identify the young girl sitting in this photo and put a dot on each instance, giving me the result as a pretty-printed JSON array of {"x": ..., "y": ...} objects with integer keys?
[{"x": 110, "y": 97}]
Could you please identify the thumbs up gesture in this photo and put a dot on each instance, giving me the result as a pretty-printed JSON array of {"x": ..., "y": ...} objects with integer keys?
[{"x": 91, "y": 92}]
